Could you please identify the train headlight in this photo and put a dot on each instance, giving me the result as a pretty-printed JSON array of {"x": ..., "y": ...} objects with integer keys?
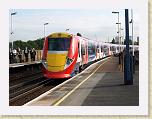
[
  {"x": 44, "y": 62},
  {"x": 68, "y": 62}
]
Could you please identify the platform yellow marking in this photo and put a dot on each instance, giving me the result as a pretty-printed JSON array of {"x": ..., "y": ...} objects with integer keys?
[{"x": 62, "y": 99}]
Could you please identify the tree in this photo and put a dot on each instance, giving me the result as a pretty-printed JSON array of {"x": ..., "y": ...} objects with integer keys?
[
  {"x": 113, "y": 41},
  {"x": 10, "y": 45},
  {"x": 130, "y": 42},
  {"x": 37, "y": 44},
  {"x": 78, "y": 34}
]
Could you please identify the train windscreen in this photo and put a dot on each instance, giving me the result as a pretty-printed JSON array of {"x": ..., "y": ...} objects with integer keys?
[{"x": 58, "y": 44}]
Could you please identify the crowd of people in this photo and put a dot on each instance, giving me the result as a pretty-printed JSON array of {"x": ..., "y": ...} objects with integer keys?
[{"x": 18, "y": 55}]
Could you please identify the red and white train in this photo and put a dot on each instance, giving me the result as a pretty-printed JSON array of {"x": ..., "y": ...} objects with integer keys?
[{"x": 65, "y": 54}]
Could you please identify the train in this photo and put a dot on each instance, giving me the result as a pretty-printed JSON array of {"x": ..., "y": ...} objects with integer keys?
[{"x": 65, "y": 55}]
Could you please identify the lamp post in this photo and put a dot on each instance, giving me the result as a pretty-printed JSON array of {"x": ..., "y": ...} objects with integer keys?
[
  {"x": 95, "y": 36},
  {"x": 128, "y": 74},
  {"x": 44, "y": 29},
  {"x": 67, "y": 30},
  {"x": 11, "y": 32},
  {"x": 118, "y": 28},
  {"x": 132, "y": 42},
  {"x": 119, "y": 35},
  {"x": 121, "y": 29},
  {"x": 132, "y": 32}
]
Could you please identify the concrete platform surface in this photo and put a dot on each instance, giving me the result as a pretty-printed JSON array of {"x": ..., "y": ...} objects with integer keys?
[{"x": 99, "y": 85}]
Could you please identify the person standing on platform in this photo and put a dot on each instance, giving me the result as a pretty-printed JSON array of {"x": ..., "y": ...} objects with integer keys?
[
  {"x": 19, "y": 54},
  {"x": 14, "y": 56},
  {"x": 31, "y": 54},
  {"x": 26, "y": 52},
  {"x": 11, "y": 56},
  {"x": 34, "y": 54}
]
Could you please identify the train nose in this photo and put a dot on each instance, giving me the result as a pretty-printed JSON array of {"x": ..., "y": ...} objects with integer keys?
[{"x": 56, "y": 62}]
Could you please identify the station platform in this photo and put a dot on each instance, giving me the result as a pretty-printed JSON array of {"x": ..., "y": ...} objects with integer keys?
[
  {"x": 15, "y": 65},
  {"x": 101, "y": 84}
]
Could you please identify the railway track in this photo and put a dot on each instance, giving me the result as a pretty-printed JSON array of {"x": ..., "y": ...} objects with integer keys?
[
  {"x": 25, "y": 78},
  {"x": 25, "y": 85},
  {"x": 25, "y": 88},
  {"x": 18, "y": 73},
  {"x": 24, "y": 92}
]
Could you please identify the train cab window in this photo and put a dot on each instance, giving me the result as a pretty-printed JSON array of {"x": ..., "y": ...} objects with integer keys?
[{"x": 58, "y": 44}]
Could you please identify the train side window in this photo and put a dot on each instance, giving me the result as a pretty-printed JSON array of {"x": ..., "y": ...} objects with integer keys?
[
  {"x": 101, "y": 48},
  {"x": 89, "y": 48},
  {"x": 110, "y": 48},
  {"x": 79, "y": 49},
  {"x": 93, "y": 48},
  {"x": 98, "y": 49},
  {"x": 82, "y": 49},
  {"x": 117, "y": 48}
]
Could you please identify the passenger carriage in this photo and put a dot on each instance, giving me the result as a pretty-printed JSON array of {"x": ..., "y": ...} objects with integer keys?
[{"x": 64, "y": 54}]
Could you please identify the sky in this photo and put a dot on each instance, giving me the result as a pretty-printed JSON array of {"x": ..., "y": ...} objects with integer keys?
[{"x": 100, "y": 25}]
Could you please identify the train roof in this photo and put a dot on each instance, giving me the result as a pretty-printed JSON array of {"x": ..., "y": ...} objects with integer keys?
[
  {"x": 60, "y": 34},
  {"x": 66, "y": 34}
]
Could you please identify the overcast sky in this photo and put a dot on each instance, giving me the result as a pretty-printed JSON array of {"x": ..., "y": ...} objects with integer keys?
[{"x": 28, "y": 24}]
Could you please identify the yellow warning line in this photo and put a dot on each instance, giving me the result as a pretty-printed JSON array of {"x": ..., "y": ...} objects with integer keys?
[{"x": 63, "y": 98}]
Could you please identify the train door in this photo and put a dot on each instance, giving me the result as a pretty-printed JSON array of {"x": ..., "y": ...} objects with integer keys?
[
  {"x": 79, "y": 52},
  {"x": 83, "y": 52},
  {"x": 101, "y": 53},
  {"x": 97, "y": 51},
  {"x": 86, "y": 49},
  {"x": 105, "y": 50},
  {"x": 113, "y": 49},
  {"x": 91, "y": 51},
  {"x": 110, "y": 49},
  {"x": 117, "y": 49}
]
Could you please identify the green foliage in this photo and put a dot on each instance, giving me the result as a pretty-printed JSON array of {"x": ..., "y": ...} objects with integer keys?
[
  {"x": 130, "y": 42},
  {"x": 37, "y": 44},
  {"x": 113, "y": 41}
]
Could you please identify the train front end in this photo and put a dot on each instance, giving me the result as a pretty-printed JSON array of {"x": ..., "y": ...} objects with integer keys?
[{"x": 58, "y": 59}]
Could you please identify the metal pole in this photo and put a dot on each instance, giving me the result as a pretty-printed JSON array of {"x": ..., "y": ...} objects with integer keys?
[
  {"x": 67, "y": 29},
  {"x": 14, "y": 13},
  {"x": 128, "y": 74},
  {"x": 133, "y": 43},
  {"x": 11, "y": 32},
  {"x": 122, "y": 37},
  {"x": 44, "y": 31},
  {"x": 11, "y": 25},
  {"x": 95, "y": 37},
  {"x": 119, "y": 40},
  {"x": 132, "y": 34},
  {"x": 118, "y": 33}
]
